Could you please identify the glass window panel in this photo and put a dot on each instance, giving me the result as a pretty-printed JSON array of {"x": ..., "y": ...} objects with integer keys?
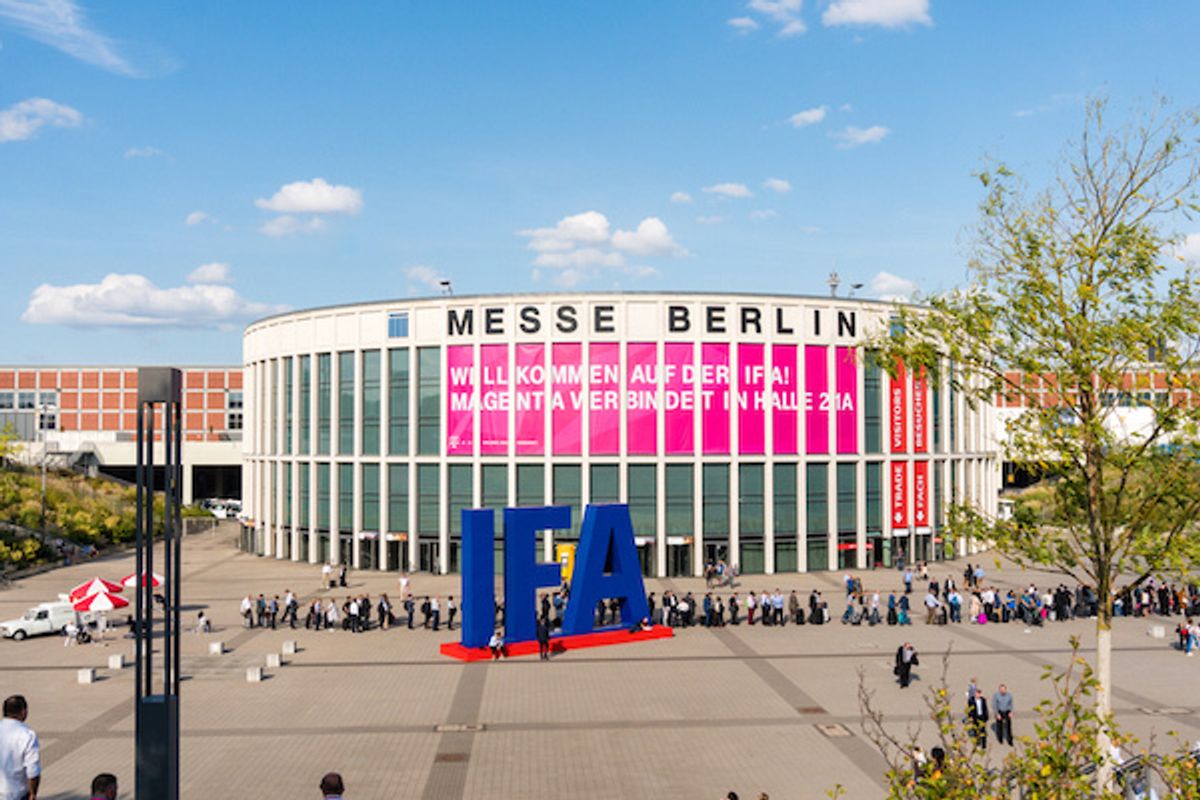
[
  {"x": 816, "y": 498},
  {"x": 370, "y": 497},
  {"x": 398, "y": 498},
  {"x": 324, "y": 401},
  {"x": 429, "y": 400},
  {"x": 874, "y": 478},
  {"x": 458, "y": 476},
  {"x": 847, "y": 497},
  {"x": 345, "y": 404},
  {"x": 568, "y": 491},
  {"x": 288, "y": 401},
  {"x": 305, "y": 402},
  {"x": 531, "y": 485},
  {"x": 398, "y": 401},
  {"x": 370, "y": 402},
  {"x": 785, "y": 501},
  {"x": 427, "y": 499},
  {"x": 605, "y": 483},
  {"x": 494, "y": 488},
  {"x": 872, "y": 404},
  {"x": 715, "y": 512},
  {"x": 323, "y": 496},
  {"x": 345, "y": 497},
  {"x": 643, "y": 499},
  {"x": 679, "y": 500},
  {"x": 751, "y": 501},
  {"x": 304, "y": 481}
]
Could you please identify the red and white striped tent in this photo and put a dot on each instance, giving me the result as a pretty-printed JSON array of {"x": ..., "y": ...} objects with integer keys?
[
  {"x": 132, "y": 581},
  {"x": 94, "y": 586},
  {"x": 103, "y": 601}
]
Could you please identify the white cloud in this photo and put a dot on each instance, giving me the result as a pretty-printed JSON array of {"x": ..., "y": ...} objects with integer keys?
[
  {"x": 143, "y": 152},
  {"x": 764, "y": 213},
  {"x": 1188, "y": 248},
  {"x": 22, "y": 120},
  {"x": 287, "y": 225},
  {"x": 809, "y": 116},
  {"x": 712, "y": 219},
  {"x": 729, "y": 190},
  {"x": 425, "y": 276},
  {"x": 313, "y": 197},
  {"x": 650, "y": 239},
  {"x": 681, "y": 197},
  {"x": 214, "y": 272},
  {"x": 853, "y": 136},
  {"x": 742, "y": 25},
  {"x": 62, "y": 24},
  {"x": 784, "y": 13},
  {"x": 582, "y": 246},
  {"x": 887, "y": 286},
  {"x": 778, "y": 185},
  {"x": 885, "y": 13},
  {"x": 590, "y": 227},
  {"x": 197, "y": 217},
  {"x": 845, "y": 107},
  {"x": 133, "y": 301}
]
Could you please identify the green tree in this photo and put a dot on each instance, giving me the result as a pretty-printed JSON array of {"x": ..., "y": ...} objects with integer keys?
[{"x": 1076, "y": 286}]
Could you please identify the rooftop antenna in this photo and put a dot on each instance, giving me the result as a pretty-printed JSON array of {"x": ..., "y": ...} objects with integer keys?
[
  {"x": 834, "y": 281},
  {"x": 446, "y": 287}
]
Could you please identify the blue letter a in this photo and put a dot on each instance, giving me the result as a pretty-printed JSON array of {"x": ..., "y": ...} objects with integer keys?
[{"x": 606, "y": 529}]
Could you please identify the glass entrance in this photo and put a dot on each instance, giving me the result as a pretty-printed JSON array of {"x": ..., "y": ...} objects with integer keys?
[
  {"x": 397, "y": 556},
  {"x": 679, "y": 560},
  {"x": 646, "y": 559},
  {"x": 429, "y": 557}
]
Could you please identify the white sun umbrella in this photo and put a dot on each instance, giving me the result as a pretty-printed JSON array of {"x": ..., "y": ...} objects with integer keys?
[
  {"x": 132, "y": 581},
  {"x": 103, "y": 601},
  {"x": 94, "y": 586}
]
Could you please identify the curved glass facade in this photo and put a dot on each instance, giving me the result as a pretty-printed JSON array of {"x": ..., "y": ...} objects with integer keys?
[{"x": 754, "y": 429}]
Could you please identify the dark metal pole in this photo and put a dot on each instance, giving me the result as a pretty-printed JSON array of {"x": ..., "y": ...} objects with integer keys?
[{"x": 138, "y": 613}]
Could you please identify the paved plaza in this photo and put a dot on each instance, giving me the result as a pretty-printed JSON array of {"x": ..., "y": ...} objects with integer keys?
[{"x": 735, "y": 708}]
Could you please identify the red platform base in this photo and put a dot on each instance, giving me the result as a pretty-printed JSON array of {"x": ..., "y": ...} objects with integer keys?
[{"x": 559, "y": 644}]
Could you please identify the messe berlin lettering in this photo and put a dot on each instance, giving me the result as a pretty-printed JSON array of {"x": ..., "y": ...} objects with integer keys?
[
  {"x": 497, "y": 393},
  {"x": 568, "y": 318},
  {"x": 606, "y": 567}
]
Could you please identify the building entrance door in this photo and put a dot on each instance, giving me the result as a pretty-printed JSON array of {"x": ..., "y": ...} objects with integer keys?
[
  {"x": 646, "y": 559},
  {"x": 679, "y": 560},
  {"x": 397, "y": 556},
  {"x": 429, "y": 557}
]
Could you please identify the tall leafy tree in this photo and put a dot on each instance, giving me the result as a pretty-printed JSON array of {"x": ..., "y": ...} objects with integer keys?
[{"x": 1075, "y": 291}]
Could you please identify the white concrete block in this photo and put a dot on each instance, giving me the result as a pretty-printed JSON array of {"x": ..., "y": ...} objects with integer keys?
[
  {"x": 289, "y": 647},
  {"x": 216, "y": 648},
  {"x": 254, "y": 674},
  {"x": 87, "y": 675},
  {"x": 1158, "y": 631},
  {"x": 116, "y": 661},
  {"x": 274, "y": 661}
]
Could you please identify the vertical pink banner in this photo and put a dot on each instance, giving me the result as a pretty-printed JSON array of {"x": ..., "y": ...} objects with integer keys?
[
  {"x": 714, "y": 396},
  {"x": 845, "y": 369},
  {"x": 920, "y": 421},
  {"x": 751, "y": 399},
  {"x": 679, "y": 399},
  {"x": 816, "y": 399},
  {"x": 899, "y": 495},
  {"x": 898, "y": 410},
  {"x": 641, "y": 391},
  {"x": 461, "y": 400},
  {"x": 494, "y": 399},
  {"x": 921, "y": 494},
  {"x": 604, "y": 398},
  {"x": 566, "y": 398},
  {"x": 785, "y": 395},
  {"x": 530, "y": 400}
]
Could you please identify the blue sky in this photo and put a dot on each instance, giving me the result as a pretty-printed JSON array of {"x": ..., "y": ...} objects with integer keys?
[{"x": 172, "y": 170}]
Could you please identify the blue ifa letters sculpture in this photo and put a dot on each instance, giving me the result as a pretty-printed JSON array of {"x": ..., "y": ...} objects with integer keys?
[{"x": 606, "y": 539}]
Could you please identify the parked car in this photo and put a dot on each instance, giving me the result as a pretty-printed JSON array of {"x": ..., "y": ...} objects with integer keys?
[{"x": 44, "y": 618}]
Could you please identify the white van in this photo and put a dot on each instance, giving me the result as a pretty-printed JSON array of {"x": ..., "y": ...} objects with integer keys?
[{"x": 44, "y": 618}]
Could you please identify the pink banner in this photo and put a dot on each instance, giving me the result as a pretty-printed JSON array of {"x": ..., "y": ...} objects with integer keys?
[
  {"x": 460, "y": 400},
  {"x": 641, "y": 409},
  {"x": 751, "y": 399},
  {"x": 785, "y": 389},
  {"x": 899, "y": 495},
  {"x": 495, "y": 399},
  {"x": 714, "y": 394},
  {"x": 531, "y": 400},
  {"x": 679, "y": 399},
  {"x": 604, "y": 398},
  {"x": 898, "y": 410},
  {"x": 816, "y": 399},
  {"x": 920, "y": 422},
  {"x": 566, "y": 398},
  {"x": 921, "y": 494},
  {"x": 846, "y": 400}
]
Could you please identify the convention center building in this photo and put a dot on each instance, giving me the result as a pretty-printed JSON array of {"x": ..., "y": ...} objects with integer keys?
[{"x": 753, "y": 429}]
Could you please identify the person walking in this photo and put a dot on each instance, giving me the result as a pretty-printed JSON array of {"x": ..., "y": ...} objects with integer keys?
[
  {"x": 451, "y": 610},
  {"x": 435, "y": 612},
  {"x": 332, "y": 786},
  {"x": 410, "y": 608},
  {"x": 543, "y": 638},
  {"x": 1002, "y": 705},
  {"x": 906, "y": 659},
  {"x": 20, "y": 754},
  {"x": 977, "y": 714},
  {"x": 104, "y": 787}
]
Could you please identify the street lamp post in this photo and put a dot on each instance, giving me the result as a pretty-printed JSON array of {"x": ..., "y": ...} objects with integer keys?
[{"x": 41, "y": 423}]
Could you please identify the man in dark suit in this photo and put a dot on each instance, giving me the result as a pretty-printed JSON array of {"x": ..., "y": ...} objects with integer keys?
[
  {"x": 977, "y": 714},
  {"x": 543, "y": 638}
]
